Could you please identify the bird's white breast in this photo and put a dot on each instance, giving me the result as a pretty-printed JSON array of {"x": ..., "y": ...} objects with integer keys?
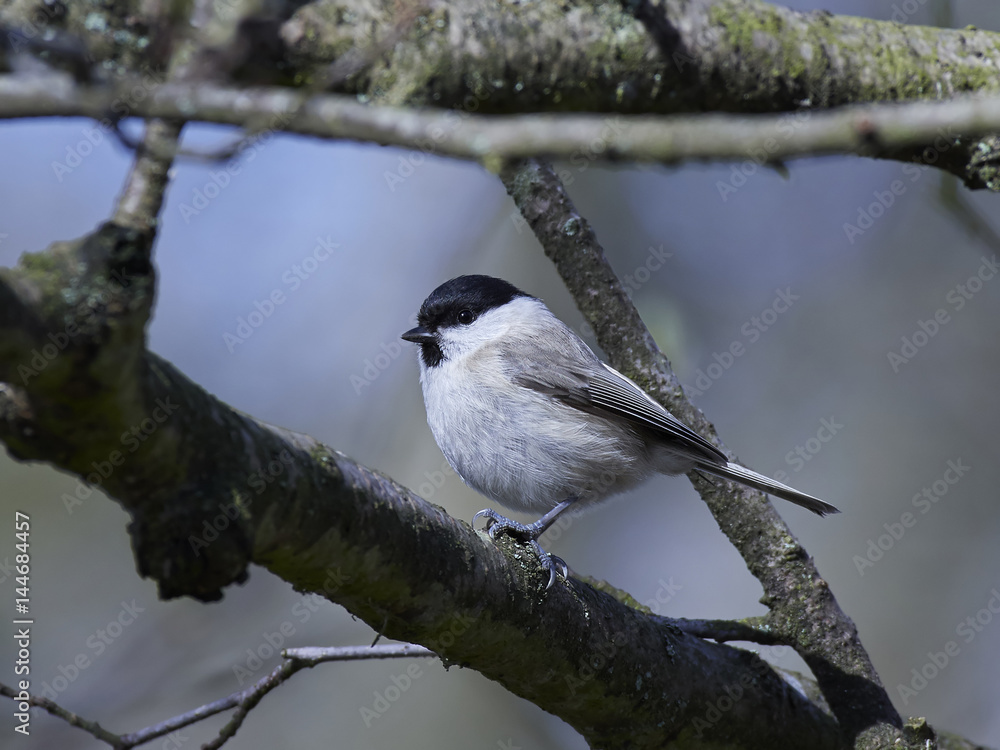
[{"x": 524, "y": 449}]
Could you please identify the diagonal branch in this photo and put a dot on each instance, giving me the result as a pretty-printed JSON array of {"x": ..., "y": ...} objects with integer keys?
[
  {"x": 145, "y": 188},
  {"x": 804, "y": 613}
]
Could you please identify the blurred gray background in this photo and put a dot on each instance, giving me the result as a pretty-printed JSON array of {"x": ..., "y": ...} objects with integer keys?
[{"x": 315, "y": 366}]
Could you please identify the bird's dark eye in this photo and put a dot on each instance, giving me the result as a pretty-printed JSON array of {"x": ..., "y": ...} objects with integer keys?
[{"x": 465, "y": 317}]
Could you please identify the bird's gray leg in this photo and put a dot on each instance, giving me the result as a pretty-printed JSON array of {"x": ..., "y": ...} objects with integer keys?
[{"x": 496, "y": 524}]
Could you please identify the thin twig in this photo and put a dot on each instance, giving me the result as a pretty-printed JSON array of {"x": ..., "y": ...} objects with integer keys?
[
  {"x": 299, "y": 659},
  {"x": 296, "y": 659},
  {"x": 249, "y": 698},
  {"x": 180, "y": 721},
  {"x": 142, "y": 197},
  {"x": 91, "y": 727},
  {"x": 315, "y": 655}
]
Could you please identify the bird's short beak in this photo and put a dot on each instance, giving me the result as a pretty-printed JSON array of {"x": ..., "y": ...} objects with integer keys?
[{"x": 419, "y": 335}]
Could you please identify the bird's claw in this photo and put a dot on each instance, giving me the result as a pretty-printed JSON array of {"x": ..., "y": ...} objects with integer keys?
[
  {"x": 493, "y": 520},
  {"x": 497, "y": 524},
  {"x": 555, "y": 565}
]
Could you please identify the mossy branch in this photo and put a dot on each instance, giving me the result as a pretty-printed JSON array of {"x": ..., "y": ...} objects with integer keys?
[{"x": 210, "y": 491}]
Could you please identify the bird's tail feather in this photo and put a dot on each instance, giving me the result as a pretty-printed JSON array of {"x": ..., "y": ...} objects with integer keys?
[{"x": 750, "y": 478}]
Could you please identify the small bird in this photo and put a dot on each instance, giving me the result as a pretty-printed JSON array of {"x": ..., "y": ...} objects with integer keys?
[{"x": 527, "y": 414}]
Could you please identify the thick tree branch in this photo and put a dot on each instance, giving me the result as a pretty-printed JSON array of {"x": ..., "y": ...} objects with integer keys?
[
  {"x": 210, "y": 490},
  {"x": 804, "y": 613},
  {"x": 735, "y": 55}
]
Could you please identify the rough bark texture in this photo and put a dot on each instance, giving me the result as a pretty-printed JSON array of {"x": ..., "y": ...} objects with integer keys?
[{"x": 731, "y": 55}]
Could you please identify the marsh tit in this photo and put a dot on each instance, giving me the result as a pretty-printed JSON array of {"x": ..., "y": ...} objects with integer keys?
[{"x": 527, "y": 414}]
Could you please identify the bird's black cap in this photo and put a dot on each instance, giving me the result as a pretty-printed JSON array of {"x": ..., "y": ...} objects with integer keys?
[
  {"x": 453, "y": 301},
  {"x": 476, "y": 293}
]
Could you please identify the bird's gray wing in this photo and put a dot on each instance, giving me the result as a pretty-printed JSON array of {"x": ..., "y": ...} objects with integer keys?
[
  {"x": 619, "y": 395},
  {"x": 596, "y": 388}
]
